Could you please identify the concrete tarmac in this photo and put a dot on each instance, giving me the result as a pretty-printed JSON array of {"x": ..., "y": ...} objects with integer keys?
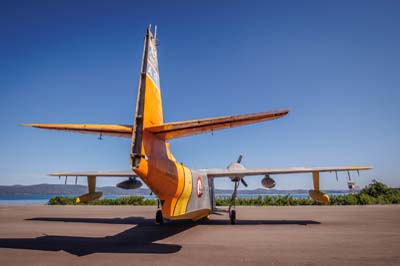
[{"x": 126, "y": 235}]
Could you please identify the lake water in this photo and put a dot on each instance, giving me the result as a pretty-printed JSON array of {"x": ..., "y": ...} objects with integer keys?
[{"x": 43, "y": 199}]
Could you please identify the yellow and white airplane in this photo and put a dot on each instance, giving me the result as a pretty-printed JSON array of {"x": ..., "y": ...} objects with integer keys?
[{"x": 184, "y": 193}]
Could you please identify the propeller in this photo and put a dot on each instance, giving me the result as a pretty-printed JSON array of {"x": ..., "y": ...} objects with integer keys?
[
  {"x": 235, "y": 166},
  {"x": 240, "y": 158}
]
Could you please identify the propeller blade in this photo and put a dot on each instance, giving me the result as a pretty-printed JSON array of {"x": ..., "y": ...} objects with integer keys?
[
  {"x": 240, "y": 158},
  {"x": 243, "y": 182}
]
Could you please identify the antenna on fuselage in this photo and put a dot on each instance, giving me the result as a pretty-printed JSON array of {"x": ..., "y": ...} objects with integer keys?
[{"x": 156, "y": 41}]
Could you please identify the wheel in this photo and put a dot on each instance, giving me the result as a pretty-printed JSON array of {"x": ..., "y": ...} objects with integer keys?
[
  {"x": 159, "y": 217},
  {"x": 232, "y": 216}
]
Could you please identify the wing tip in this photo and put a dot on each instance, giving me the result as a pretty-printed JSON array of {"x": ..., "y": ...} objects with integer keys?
[
  {"x": 34, "y": 125},
  {"x": 54, "y": 174},
  {"x": 284, "y": 112}
]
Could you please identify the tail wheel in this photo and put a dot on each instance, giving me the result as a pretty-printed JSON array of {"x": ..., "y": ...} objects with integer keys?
[
  {"x": 232, "y": 216},
  {"x": 159, "y": 217}
]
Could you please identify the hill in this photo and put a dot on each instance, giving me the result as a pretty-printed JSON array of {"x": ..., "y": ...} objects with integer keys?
[{"x": 61, "y": 189}]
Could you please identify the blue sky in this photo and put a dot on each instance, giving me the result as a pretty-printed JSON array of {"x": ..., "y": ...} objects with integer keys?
[{"x": 334, "y": 64}]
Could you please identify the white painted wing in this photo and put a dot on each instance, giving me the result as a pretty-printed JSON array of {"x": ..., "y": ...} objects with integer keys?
[
  {"x": 211, "y": 173},
  {"x": 97, "y": 173}
]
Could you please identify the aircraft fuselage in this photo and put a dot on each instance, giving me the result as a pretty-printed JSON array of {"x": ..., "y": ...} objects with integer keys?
[{"x": 184, "y": 193}]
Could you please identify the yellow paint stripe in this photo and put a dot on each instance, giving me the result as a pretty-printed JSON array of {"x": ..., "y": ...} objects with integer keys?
[
  {"x": 179, "y": 190},
  {"x": 183, "y": 200},
  {"x": 195, "y": 216}
]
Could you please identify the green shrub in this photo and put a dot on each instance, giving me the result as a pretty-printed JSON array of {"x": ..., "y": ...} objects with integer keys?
[
  {"x": 376, "y": 189},
  {"x": 60, "y": 200},
  {"x": 349, "y": 199},
  {"x": 365, "y": 199},
  {"x": 374, "y": 193},
  {"x": 130, "y": 200}
]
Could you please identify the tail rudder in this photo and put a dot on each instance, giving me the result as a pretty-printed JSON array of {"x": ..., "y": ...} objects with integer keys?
[
  {"x": 153, "y": 112},
  {"x": 149, "y": 104}
]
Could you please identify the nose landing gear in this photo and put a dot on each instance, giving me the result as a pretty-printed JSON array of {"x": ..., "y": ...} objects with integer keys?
[
  {"x": 232, "y": 216},
  {"x": 232, "y": 205}
]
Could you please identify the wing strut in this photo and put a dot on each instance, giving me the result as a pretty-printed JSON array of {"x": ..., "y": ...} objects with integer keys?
[
  {"x": 315, "y": 176},
  {"x": 316, "y": 194}
]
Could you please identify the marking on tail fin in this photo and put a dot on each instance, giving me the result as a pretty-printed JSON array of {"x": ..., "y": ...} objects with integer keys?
[{"x": 152, "y": 63}]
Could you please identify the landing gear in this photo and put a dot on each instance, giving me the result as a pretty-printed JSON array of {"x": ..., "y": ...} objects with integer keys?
[
  {"x": 159, "y": 217},
  {"x": 232, "y": 216},
  {"x": 232, "y": 205}
]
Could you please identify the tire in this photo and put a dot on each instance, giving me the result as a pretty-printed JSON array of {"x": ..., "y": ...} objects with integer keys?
[
  {"x": 159, "y": 217},
  {"x": 232, "y": 216}
]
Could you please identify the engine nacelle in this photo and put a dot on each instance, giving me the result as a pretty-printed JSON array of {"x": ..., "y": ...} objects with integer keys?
[
  {"x": 236, "y": 166},
  {"x": 268, "y": 182},
  {"x": 131, "y": 183}
]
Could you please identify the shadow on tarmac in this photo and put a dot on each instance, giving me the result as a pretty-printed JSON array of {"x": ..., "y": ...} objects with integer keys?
[{"x": 138, "y": 239}]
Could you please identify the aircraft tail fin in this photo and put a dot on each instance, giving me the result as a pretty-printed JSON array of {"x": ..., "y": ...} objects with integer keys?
[{"x": 149, "y": 105}]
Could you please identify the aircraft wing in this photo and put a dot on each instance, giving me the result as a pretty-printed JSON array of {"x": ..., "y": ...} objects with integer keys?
[
  {"x": 98, "y": 129},
  {"x": 180, "y": 129},
  {"x": 97, "y": 174},
  {"x": 268, "y": 171}
]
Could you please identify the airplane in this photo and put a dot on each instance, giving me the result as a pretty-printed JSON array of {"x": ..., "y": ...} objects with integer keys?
[{"x": 183, "y": 193}]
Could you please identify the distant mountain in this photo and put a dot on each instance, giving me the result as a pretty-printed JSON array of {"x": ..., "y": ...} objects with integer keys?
[{"x": 61, "y": 189}]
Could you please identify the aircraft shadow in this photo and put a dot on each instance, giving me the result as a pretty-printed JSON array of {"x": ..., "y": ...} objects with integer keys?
[
  {"x": 140, "y": 220},
  {"x": 138, "y": 239},
  {"x": 261, "y": 222}
]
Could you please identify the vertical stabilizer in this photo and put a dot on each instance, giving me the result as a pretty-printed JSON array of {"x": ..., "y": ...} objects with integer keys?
[{"x": 148, "y": 106}]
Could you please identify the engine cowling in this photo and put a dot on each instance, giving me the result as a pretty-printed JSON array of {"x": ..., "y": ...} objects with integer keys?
[
  {"x": 131, "y": 183},
  {"x": 268, "y": 182},
  {"x": 236, "y": 166}
]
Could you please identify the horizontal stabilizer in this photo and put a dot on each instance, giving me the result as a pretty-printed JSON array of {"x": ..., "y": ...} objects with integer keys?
[
  {"x": 99, "y": 129},
  {"x": 171, "y": 130},
  {"x": 192, "y": 127}
]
